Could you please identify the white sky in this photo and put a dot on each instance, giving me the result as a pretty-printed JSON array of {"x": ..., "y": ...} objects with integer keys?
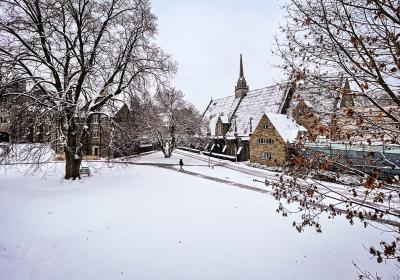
[{"x": 206, "y": 38}]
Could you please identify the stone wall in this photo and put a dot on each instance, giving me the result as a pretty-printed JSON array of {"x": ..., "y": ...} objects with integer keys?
[
  {"x": 245, "y": 152},
  {"x": 101, "y": 142},
  {"x": 278, "y": 150},
  {"x": 221, "y": 128},
  {"x": 307, "y": 118},
  {"x": 231, "y": 147}
]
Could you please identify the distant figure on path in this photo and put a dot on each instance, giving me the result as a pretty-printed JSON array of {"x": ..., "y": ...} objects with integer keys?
[{"x": 181, "y": 164}]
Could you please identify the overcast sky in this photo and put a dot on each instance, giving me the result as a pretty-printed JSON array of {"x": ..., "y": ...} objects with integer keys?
[{"x": 206, "y": 39}]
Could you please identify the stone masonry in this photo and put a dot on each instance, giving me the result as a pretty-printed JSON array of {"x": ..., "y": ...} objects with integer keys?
[{"x": 278, "y": 150}]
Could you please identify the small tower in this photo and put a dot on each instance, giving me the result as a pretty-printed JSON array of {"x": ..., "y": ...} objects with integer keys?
[
  {"x": 347, "y": 97},
  {"x": 241, "y": 88}
]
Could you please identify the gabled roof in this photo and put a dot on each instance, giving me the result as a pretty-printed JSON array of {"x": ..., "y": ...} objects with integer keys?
[
  {"x": 321, "y": 100},
  {"x": 239, "y": 111},
  {"x": 286, "y": 126},
  {"x": 253, "y": 106},
  {"x": 218, "y": 107},
  {"x": 224, "y": 119}
]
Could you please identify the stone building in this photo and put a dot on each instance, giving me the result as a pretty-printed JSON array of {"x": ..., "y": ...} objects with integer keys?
[
  {"x": 236, "y": 125},
  {"x": 112, "y": 132},
  {"x": 21, "y": 121},
  {"x": 97, "y": 142},
  {"x": 318, "y": 109},
  {"x": 368, "y": 124},
  {"x": 271, "y": 139},
  {"x": 231, "y": 120}
]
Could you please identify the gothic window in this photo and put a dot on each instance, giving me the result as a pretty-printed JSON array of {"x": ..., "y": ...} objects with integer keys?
[{"x": 265, "y": 126}]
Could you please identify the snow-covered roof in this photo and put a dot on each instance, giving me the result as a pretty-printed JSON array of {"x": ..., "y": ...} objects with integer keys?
[
  {"x": 286, "y": 126},
  {"x": 224, "y": 119},
  {"x": 109, "y": 109},
  {"x": 218, "y": 107},
  {"x": 320, "y": 99},
  {"x": 113, "y": 106},
  {"x": 239, "y": 111}
]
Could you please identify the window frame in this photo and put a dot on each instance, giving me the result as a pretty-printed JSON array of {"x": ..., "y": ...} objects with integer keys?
[
  {"x": 265, "y": 141},
  {"x": 266, "y": 155},
  {"x": 96, "y": 133},
  {"x": 95, "y": 118}
]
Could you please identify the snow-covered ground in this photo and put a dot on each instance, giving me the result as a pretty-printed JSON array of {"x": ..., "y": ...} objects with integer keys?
[
  {"x": 147, "y": 222},
  {"x": 218, "y": 169}
]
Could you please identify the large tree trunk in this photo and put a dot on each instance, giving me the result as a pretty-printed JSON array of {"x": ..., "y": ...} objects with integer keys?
[
  {"x": 72, "y": 166},
  {"x": 165, "y": 149},
  {"x": 73, "y": 154}
]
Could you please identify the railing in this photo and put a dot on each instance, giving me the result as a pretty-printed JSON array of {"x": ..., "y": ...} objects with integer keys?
[
  {"x": 209, "y": 153},
  {"x": 366, "y": 158},
  {"x": 197, "y": 151},
  {"x": 221, "y": 156}
]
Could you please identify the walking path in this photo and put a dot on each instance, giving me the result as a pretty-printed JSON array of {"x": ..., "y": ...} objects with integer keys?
[{"x": 219, "y": 180}]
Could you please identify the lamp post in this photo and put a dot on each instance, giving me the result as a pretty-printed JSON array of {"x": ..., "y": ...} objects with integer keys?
[{"x": 209, "y": 153}]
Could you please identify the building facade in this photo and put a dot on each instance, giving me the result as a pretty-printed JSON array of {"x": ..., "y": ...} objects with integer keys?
[
  {"x": 232, "y": 121},
  {"x": 20, "y": 120},
  {"x": 271, "y": 139},
  {"x": 110, "y": 131}
]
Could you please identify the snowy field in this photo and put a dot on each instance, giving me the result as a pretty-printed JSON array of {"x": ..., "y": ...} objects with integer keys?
[{"x": 146, "y": 222}]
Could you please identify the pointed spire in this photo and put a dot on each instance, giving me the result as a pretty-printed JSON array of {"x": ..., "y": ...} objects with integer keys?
[
  {"x": 241, "y": 74},
  {"x": 347, "y": 100},
  {"x": 241, "y": 88}
]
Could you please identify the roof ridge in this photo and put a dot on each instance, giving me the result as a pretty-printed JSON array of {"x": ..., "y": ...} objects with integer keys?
[{"x": 253, "y": 90}]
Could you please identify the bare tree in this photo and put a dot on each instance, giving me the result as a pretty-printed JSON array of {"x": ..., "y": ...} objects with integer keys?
[
  {"x": 357, "y": 39},
  {"x": 172, "y": 120},
  {"x": 80, "y": 56},
  {"x": 346, "y": 48},
  {"x": 130, "y": 129}
]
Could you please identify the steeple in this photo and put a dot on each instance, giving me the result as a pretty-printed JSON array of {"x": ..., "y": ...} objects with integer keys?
[
  {"x": 241, "y": 88},
  {"x": 347, "y": 97},
  {"x": 241, "y": 74}
]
